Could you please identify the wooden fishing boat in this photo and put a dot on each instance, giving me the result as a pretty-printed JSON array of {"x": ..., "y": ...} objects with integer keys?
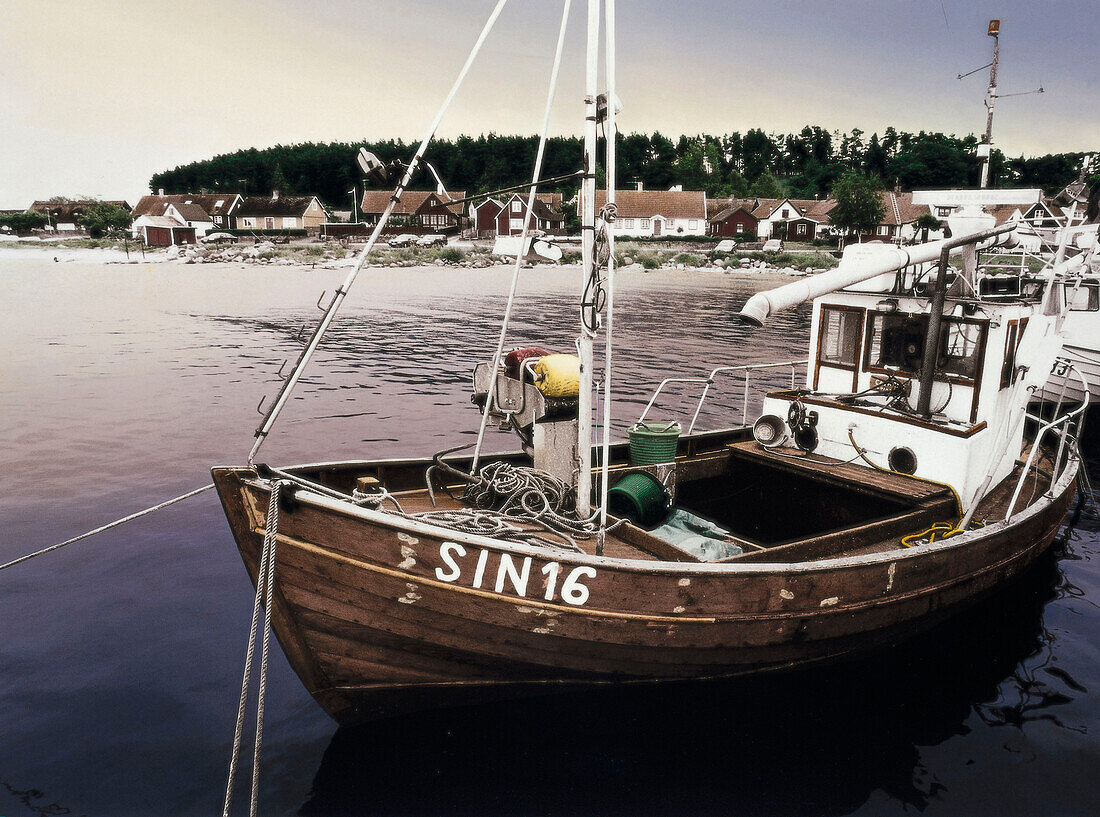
[{"x": 900, "y": 481}]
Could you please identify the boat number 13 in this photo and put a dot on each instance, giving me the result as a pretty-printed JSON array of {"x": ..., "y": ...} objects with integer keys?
[{"x": 571, "y": 590}]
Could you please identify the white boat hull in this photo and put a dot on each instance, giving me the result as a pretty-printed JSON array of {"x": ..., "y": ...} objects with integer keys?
[{"x": 1087, "y": 363}]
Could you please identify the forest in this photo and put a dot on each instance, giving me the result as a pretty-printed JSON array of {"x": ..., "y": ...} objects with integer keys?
[{"x": 754, "y": 163}]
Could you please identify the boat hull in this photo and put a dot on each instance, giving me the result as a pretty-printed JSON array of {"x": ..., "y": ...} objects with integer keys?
[
  {"x": 381, "y": 615},
  {"x": 1068, "y": 387}
]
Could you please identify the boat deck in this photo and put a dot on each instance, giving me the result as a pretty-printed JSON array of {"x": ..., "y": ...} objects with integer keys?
[{"x": 909, "y": 505}]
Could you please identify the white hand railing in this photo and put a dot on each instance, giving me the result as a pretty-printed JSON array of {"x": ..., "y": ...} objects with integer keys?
[
  {"x": 1061, "y": 425},
  {"x": 708, "y": 381}
]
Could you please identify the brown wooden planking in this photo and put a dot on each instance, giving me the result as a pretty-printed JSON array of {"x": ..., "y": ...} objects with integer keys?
[
  {"x": 841, "y": 473},
  {"x": 924, "y": 589}
]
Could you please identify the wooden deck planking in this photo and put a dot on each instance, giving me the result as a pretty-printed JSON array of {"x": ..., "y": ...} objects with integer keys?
[{"x": 841, "y": 473}]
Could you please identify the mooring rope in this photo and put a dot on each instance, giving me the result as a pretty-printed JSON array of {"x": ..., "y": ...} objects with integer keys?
[
  {"x": 265, "y": 580},
  {"x": 108, "y": 526}
]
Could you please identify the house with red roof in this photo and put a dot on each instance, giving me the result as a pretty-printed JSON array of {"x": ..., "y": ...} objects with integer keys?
[
  {"x": 670, "y": 213},
  {"x": 732, "y": 218},
  {"x": 792, "y": 219},
  {"x": 545, "y": 216},
  {"x": 207, "y": 211},
  {"x": 418, "y": 211},
  {"x": 483, "y": 216},
  {"x": 279, "y": 212}
]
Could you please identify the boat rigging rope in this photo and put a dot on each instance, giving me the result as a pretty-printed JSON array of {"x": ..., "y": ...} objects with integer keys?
[
  {"x": 528, "y": 218},
  {"x": 265, "y": 578},
  {"x": 108, "y": 526}
]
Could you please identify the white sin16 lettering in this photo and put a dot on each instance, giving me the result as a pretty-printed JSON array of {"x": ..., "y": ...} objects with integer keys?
[{"x": 513, "y": 574}]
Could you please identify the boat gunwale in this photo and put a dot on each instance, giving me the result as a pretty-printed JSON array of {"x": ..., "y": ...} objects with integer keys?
[{"x": 400, "y": 523}]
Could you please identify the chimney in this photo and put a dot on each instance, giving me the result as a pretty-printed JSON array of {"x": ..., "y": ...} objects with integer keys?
[
  {"x": 160, "y": 191},
  {"x": 439, "y": 188},
  {"x": 274, "y": 195},
  {"x": 639, "y": 185}
]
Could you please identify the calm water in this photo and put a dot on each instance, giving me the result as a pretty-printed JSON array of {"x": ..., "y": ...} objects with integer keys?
[{"x": 120, "y": 657}]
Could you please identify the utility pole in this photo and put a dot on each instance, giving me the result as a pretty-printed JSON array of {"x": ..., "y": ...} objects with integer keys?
[{"x": 986, "y": 147}]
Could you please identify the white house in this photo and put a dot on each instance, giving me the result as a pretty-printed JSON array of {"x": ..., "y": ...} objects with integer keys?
[
  {"x": 191, "y": 215},
  {"x": 669, "y": 213}
]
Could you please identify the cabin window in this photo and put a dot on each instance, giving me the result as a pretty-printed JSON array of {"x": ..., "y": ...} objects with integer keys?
[
  {"x": 943, "y": 212},
  {"x": 1086, "y": 298},
  {"x": 289, "y": 222},
  {"x": 801, "y": 229},
  {"x": 269, "y": 223},
  {"x": 838, "y": 337},
  {"x": 884, "y": 230},
  {"x": 740, "y": 228},
  {"x": 645, "y": 224},
  {"x": 628, "y": 223},
  {"x": 517, "y": 206},
  {"x": 1012, "y": 345},
  {"x": 895, "y": 343},
  {"x": 786, "y": 213},
  {"x": 248, "y": 222},
  {"x": 960, "y": 345}
]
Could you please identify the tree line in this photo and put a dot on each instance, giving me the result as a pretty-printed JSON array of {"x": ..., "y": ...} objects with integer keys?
[{"x": 805, "y": 165}]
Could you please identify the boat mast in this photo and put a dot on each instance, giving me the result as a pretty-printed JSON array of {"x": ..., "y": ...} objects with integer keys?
[
  {"x": 610, "y": 135},
  {"x": 583, "y": 480},
  {"x": 990, "y": 100}
]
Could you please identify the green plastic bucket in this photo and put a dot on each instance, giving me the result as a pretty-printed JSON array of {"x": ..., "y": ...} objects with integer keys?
[
  {"x": 640, "y": 498},
  {"x": 653, "y": 443}
]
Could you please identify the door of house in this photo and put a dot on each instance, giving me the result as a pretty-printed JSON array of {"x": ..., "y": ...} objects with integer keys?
[{"x": 657, "y": 226}]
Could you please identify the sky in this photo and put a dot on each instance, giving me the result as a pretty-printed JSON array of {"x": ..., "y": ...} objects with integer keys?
[{"x": 98, "y": 95}]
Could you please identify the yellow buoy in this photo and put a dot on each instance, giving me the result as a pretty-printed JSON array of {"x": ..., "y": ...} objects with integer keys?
[{"x": 558, "y": 375}]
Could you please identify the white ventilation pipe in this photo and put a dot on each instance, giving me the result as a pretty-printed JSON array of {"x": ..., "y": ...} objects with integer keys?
[{"x": 860, "y": 262}]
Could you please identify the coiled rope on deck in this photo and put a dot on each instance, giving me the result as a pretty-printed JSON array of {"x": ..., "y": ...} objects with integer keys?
[{"x": 501, "y": 491}]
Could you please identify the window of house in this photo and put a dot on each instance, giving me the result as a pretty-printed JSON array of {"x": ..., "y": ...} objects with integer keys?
[
  {"x": 269, "y": 222},
  {"x": 247, "y": 222},
  {"x": 786, "y": 213},
  {"x": 801, "y": 229},
  {"x": 883, "y": 230},
  {"x": 739, "y": 228},
  {"x": 517, "y": 206},
  {"x": 219, "y": 203},
  {"x": 289, "y": 221},
  {"x": 838, "y": 337},
  {"x": 515, "y": 223},
  {"x": 693, "y": 224},
  {"x": 1085, "y": 298},
  {"x": 943, "y": 212},
  {"x": 628, "y": 223},
  {"x": 644, "y": 224}
]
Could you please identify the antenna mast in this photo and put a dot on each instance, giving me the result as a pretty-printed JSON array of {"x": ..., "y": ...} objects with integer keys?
[{"x": 986, "y": 147}]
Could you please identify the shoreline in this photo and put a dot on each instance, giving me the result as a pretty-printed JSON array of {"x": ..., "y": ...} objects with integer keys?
[{"x": 313, "y": 256}]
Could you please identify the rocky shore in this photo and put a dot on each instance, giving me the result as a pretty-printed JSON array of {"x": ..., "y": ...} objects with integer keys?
[{"x": 332, "y": 255}]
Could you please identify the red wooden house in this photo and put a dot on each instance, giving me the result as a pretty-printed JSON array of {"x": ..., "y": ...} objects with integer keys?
[
  {"x": 545, "y": 216},
  {"x": 734, "y": 219}
]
